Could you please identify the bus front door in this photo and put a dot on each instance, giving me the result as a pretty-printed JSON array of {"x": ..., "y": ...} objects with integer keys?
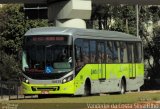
[
  {"x": 101, "y": 61},
  {"x": 131, "y": 58}
]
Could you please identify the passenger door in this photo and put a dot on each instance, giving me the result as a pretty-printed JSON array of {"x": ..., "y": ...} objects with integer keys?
[
  {"x": 131, "y": 58},
  {"x": 101, "y": 61}
]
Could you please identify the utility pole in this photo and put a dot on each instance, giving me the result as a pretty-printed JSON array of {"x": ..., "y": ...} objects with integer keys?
[
  {"x": 137, "y": 19},
  {"x": 1, "y": 57}
]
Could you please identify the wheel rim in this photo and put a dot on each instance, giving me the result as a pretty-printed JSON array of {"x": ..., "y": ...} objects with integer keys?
[
  {"x": 122, "y": 87},
  {"x": 122, "y": 90}
]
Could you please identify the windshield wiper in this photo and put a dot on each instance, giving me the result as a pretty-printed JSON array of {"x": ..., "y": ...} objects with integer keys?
[{"x": 49, "y": 45}]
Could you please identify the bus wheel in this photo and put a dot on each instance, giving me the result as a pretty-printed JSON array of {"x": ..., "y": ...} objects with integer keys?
[
  {"x": 123, "y": 87},
  {"x": 87, "y": 88}
]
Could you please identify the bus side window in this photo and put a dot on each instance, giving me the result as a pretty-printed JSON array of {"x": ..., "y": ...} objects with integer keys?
[
  {"x": 115, "y": 52},
  {"x": 138, "y": 52},
  {"x": 123, "y": 52},
  {"x": 92, "y": 51},
  {"x": 85, "y": 51},
  {"x": 109, "y": 52},
  {"x": 78, "y": 54},
  {"x": 98, "y": 56},
  {"x": 140, "y": 56},
  {"x": 130, "y": 52}
]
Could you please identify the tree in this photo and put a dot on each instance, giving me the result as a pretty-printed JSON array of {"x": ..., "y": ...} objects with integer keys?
[
  {"x": 13, "y": 26},
  {"x": 117, "y": 18}
]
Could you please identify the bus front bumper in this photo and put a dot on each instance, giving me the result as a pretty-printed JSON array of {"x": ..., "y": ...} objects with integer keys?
[{"x": 36, "y": 89}]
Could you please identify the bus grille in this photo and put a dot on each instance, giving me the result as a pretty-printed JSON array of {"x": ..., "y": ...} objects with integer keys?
[{"x": 54, "y": 88}]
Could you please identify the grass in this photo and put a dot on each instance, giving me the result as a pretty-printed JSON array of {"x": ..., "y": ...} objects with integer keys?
[
  {"x": 81, "y": 102},
  {"x": 114, "y": 98}
]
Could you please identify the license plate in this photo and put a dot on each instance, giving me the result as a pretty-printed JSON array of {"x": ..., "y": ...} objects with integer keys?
[{"x": 44, "y": 92}]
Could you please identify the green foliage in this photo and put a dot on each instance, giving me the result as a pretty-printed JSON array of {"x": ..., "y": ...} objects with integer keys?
[
  {"x": 10, "y": 67},
  {"x": 13, "y": 26},
  {"x": 124, "y": 18}
]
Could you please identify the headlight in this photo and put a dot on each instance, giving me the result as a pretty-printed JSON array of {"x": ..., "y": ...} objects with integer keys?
[
  {"x": 67, "y": 79},
  {"x": 25, "y": 80}
]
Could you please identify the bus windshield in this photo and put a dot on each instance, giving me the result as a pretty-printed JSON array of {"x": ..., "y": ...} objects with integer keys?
[{"x": 48, "y": 60}]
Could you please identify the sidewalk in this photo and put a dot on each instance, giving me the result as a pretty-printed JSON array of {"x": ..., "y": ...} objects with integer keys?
[
  {"x": 15, "y": 97},
  {"x": 4, "y": 98}
]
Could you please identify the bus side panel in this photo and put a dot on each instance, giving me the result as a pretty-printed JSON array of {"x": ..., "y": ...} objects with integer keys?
[
  {"x": 81, "y": 77},
  {"x": 114, "y": 74},
  {"x": 140, "y": 70},
  {"x": 138, "y": 81}
]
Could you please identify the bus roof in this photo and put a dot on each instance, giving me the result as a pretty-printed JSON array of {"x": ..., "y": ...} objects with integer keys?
[{"x": 79, "y": 33}]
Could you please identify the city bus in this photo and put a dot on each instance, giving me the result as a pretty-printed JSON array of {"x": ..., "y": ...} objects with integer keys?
[{"x": 72, "y": 61}]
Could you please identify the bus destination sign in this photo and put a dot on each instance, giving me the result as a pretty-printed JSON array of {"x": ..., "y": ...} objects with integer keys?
[{"x": 49, "y": 38}]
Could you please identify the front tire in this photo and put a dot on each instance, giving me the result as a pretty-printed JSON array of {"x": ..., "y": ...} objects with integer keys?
[
  {"x": 87, "y": 88},
  {"x": 41, "y": 96}
]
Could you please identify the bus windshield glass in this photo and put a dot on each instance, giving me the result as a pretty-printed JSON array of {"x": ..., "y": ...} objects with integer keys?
[{"x": 47, "y": 59}]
